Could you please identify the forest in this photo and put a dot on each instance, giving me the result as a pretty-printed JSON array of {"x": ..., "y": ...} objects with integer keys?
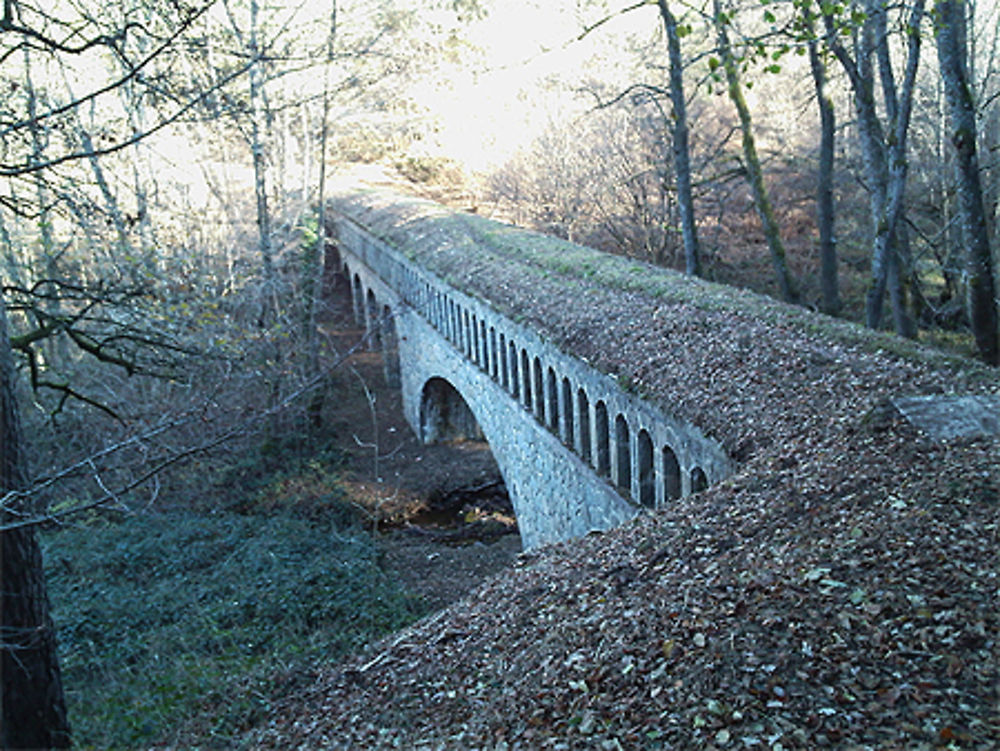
[{"x": 165, "y": 346}]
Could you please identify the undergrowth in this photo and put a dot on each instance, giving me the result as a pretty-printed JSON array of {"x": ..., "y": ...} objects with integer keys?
[{"x": 191, "y": 625}]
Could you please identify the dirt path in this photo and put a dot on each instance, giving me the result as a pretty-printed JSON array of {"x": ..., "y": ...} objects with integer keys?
[{"x": 442, "y": 513}]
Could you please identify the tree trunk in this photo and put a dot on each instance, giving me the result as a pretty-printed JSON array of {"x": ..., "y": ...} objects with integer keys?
[
  {"x": 981, "y": 298},
  {"x": 755, "y": 173},
  {"x": 681, "y": 149},
  {"x": 34, "y": 709},
  {"x": 829, "y": 285}
]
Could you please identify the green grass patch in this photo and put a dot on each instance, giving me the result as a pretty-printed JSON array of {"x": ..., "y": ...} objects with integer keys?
[{"x": 196, "y": 623}]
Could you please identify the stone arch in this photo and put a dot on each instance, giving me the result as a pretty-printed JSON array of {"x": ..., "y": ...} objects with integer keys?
[
  {"x": 539, "y": 389},
  {"x": 372, "y": 320},
  {"x": 466, "y": 334},
  {"x": 494, "y": 365},
  {"x": 340, "y": 277},
  {"x": 358, "y": 300},
  {"x": 445, "y": 415},
  {"x": 699, "y": 480},
  {"x": 647, "y": 475},
  {"x": 390, "y": 348},
  {"x": 623, "y": 456},
  {"x": 504, "y": 368},
  {"x": 515, "y": 387},
  {"x": 333, "y": 275},
  {"x": 484, "y": 347},
  {"x": 475, "y": 344},
  {"x": 671, "y": 475}
]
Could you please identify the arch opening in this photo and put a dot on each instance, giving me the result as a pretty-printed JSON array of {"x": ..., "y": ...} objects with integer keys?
[
  {"x": 336, "y": 275},
  {"x": 552, "y": 392},
  {"x": 671, "y": 475},
  {"x": 390, "y": 348},
  {"x": 583, "y": 407},
  {"x": 372, "y": 319},
  {"x": 623, "y": 455},
  {"x": 484, "y": 347},
  {"x": 526, "y": 377},
  {"x": 474, "y": 346},
  {"x": 494, "y": 372},
  {"x": 567, "y": 408},
  {"x": 647, "y": 477},
  {"x": 504, "y": 372},
  {"x": 515, "y": 388},
  {"x": 601, "y": 428},
  {"x": 358, "y": 300},
  {"x": 445, "y": 416},
  {"x": 699, "y": 480},
  {"x": 539, "y": 404},
  {"x": 459, "y": 509}
]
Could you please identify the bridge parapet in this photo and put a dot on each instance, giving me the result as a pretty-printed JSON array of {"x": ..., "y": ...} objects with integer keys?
[{"x": 559, "y": 427}]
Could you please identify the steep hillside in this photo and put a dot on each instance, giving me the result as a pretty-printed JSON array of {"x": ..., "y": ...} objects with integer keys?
[{"x": 841, "y": 589}]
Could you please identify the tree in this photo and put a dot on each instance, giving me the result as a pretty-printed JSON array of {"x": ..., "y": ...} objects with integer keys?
[
  {"x": 33, "y": 705},
  {"x": 952, "y": 53},
  {"x": 680, "y": 146},
  {"x": 829, "y": 286},
  {"x": 313, "y": 263},
  {"x": 754, "y": 171},
  {"x": 260, "y": 117},
  {"x": 34, "y": 708},
  {"x": 884, "y": 149}
]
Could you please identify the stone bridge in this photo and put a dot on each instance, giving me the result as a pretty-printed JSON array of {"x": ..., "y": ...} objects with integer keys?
[{"x": 579, "y": 450}]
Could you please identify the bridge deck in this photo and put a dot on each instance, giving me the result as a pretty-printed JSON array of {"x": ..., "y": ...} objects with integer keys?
[{"x": 750, "y": 372}]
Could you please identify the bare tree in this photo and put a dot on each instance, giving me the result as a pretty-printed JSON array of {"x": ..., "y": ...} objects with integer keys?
[
  {"x": 884, "y": 149},
  {"x": 681, "y": 148},
  {"x": 34, "y": 708},
  {"x": 952, "y": 54},
  {"x": 829, "y": 286},
  {"x": 33, "y": 705}
]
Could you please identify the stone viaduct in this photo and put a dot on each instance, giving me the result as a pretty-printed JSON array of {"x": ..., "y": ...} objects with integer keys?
[{"x": 577, "y": 451}]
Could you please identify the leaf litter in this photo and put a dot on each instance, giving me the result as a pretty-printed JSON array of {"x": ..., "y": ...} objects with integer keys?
[{"x": 839, "y": 590}]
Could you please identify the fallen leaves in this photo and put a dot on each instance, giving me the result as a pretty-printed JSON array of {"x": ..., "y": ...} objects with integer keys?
[{"x": 841, "y": 590}]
